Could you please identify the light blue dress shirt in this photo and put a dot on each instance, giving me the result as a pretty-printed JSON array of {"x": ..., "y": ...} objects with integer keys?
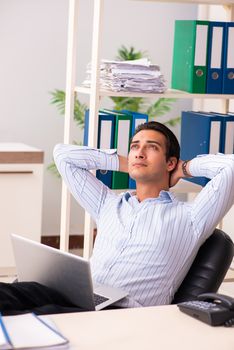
[{"x": 145, "y": 248}]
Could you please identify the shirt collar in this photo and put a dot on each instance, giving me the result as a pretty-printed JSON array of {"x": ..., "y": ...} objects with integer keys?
[{"x": 163, "y": 196}]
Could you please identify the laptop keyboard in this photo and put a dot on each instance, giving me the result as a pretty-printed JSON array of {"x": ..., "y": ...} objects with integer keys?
[{"x": 98, "y": 299}]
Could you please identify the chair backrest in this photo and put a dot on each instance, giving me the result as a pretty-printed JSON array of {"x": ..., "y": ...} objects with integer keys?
[{"x": 208, "y": 269}]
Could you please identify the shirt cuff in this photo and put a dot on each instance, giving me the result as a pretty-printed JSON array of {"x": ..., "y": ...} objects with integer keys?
[
  {"x": 209, "y": 165},
  {"x": 108, "y": 159}
]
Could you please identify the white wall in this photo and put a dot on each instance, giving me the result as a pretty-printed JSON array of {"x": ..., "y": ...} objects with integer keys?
[{"x": 33, "y": 39}]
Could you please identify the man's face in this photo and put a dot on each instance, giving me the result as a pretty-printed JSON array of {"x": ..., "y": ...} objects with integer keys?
[{"x": 147, "y": 157}]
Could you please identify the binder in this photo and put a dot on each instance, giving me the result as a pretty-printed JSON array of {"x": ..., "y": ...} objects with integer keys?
[
  {"x": 86, "y": 128},
  {"x": 137, "y": 119},
  {"x": 229, "y": 134},
  {"x": 227, "y": 138},
  {"x": 215, "y": 57},
  {"x": 228, "y": 71},
  {"x": 189, "y": 68},
  {"x": 201, "y": 133},
  {"x": 121, "y": 143},
  {"x": 105, "y": 140}
]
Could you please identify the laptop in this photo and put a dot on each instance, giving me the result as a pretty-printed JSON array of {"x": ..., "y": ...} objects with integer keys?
[{"x": 67, "y": 273}]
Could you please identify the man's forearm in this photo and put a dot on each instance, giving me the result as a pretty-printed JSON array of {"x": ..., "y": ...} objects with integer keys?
[
  {"x": 87, "y": 158},
  {"x": 123, "y": 164}
]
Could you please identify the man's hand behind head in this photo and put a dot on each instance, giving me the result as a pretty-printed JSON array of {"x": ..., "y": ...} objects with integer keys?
[{"x": 178, "y": 173}]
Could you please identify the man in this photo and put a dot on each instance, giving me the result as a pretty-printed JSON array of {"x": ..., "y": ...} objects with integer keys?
[{"x": 147, "y": 239}]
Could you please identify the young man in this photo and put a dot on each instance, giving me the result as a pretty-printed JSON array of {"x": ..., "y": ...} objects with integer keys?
[{"x": 147, "y": 239}]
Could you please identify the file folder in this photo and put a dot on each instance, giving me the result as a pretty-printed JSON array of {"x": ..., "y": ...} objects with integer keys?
[
  {"x": 105, "y": 140},
  {"x": 216, "y": 35},
  {"x": 227, "y": 138},
  {"x": 189, "y": 68},
  {"x": 200, "y": 134},
  {"x": 137, "y": 119},
  {"x": 121, "y": 143},
  {"x": 229, "y": 135},
  {"x": 228, "y": 71}
]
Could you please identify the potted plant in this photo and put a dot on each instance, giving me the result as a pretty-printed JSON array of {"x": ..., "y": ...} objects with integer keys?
[{"x": 135, "y": 104}]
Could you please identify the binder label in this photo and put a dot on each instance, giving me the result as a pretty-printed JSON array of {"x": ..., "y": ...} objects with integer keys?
[
  {"x": 105, "y": 139},
  {"x": 229, "y": 138},
  {"x": 123, "y": 137},
  {"x": 201, "y": 45},
  {"x": 230, "y": 54},
  {"x": 216, "y": 45},
  {"x": 214, "y": 137},
  {"x": 139, "y": 122}
]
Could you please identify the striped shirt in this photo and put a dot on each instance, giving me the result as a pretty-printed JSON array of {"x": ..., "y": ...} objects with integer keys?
[{"x": 145, "y": 248}]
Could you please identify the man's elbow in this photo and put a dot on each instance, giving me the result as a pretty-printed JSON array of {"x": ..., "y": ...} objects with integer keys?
[
  {"x": 58, "y": 151},
  {"x": 230, "y": 167}
]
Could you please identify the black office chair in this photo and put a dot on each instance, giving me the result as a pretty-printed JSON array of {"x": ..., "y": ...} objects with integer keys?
[{"x": 208, "y": 269}]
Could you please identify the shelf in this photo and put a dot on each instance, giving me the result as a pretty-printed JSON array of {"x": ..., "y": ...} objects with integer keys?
[
  {"x": 170, "y": 93},
  {"x": 198, "y": 2}
]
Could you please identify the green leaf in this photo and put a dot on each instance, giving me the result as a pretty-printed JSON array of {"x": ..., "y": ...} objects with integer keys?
[
  {"x": 127, "y": 54},
  {"x": 53, "y": 169},
  {"x": 160, "y": 107},
  {"x": 58, "y": 99},
  {"x": 129, "y": 103},
  {"x": 173, "y": 122}
]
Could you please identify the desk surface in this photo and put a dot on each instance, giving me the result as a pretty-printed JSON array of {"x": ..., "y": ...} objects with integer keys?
[
  {"x": 18, "y": 153},
  {"x": 160, "y": 327}
]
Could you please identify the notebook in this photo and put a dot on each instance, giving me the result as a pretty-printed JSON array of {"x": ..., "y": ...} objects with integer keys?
[
  {"x": 29, "y": 331},
  {"x": 67, "y": 273}
]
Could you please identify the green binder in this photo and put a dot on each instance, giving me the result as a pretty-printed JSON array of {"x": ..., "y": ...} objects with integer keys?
[
  {"x": 121, "y": 143},
  {"x": 189, "y": 67}
]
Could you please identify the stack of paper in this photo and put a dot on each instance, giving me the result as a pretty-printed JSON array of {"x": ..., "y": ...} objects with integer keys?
[
  {"x": 134, "y": 76},
  {"x": 28, "y": 331}
]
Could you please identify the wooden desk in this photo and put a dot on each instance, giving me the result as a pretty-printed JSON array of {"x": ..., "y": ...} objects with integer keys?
[{"x": 160, "y": 327}]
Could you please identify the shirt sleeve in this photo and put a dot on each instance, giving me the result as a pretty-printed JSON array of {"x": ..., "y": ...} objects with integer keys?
[
  {"x": 74, "y": 164},
  {"x": 217, "y": 197}
]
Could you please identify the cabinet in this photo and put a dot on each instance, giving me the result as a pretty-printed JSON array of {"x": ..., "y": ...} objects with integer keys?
[
  {"x": 95, "y": 93},
  {"x": 21, "y": 179}
]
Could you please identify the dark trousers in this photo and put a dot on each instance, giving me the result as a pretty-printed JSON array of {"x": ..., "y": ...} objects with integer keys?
[{"x": 21, "y": 297}]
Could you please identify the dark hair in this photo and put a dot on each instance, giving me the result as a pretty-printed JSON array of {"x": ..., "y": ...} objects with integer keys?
[{"x": 172, "y": 144}]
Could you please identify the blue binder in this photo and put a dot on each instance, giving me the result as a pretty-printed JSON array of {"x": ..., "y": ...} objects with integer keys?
[
  {"x": 228, "y": 71},
  {"x": 105, "y": 140},
  {"x": 106, "y": 136},
  {"x": 227, "y": 138},
  {"x": 137, "y": 119},
  {"x": 200, "y": 134},
  {"x": 215, "y": 57},
  {"x": 229, "y": 134}
]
